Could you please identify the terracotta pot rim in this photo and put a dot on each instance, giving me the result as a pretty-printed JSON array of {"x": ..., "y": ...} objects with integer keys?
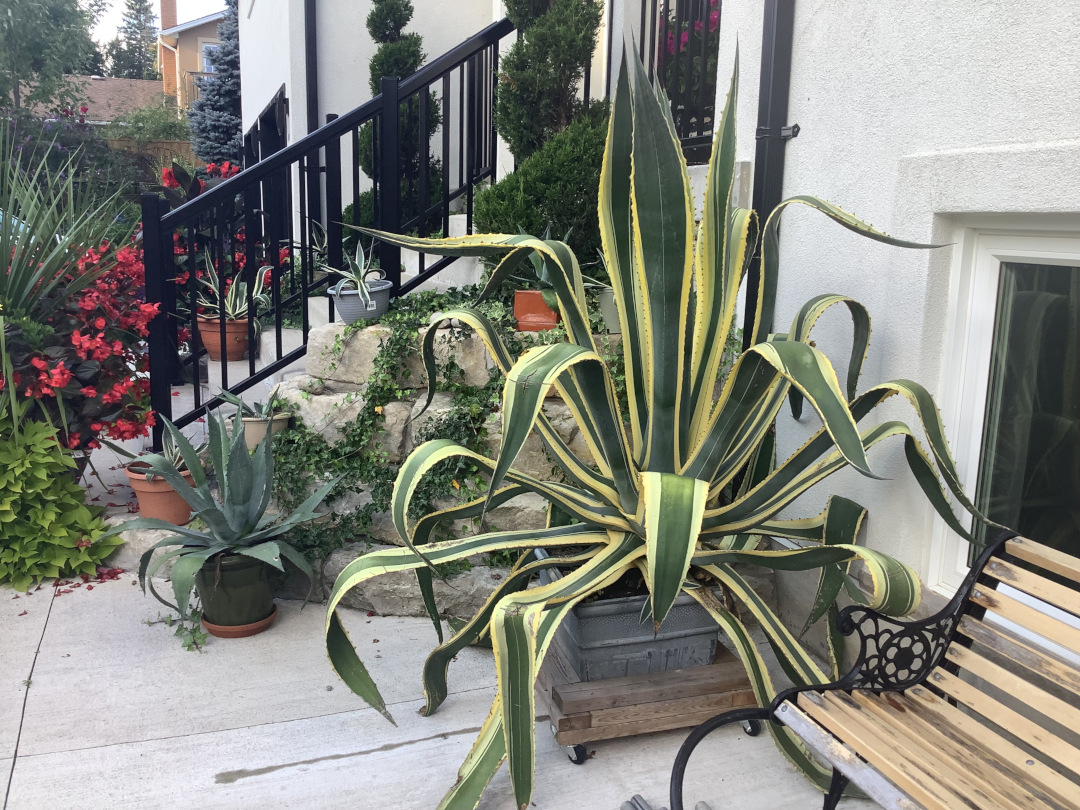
[
  {"x": 240, "y": 630},
  {"x": 141, "y": 465},
  {"x": 277, "y": 417}
]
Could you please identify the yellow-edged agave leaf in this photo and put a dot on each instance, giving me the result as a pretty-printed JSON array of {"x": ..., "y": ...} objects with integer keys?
[
  {"x": 673, "y": 507},
  {"x": 811, "y": 373},
  {"x": 860, "y": 340},
  {"x": 350, "y": 668},
  {"x": 515, "y": 628},
  {"x": 615, "y": 234},
  {"x": 663, "y": 237},
  {"x": 481, "y": 765},
  {"x": 770, "y": 253},
  {"x": 843, "y": 519}
]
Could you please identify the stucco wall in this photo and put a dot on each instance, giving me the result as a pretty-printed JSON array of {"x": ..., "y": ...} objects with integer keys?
[
  {"x": 913, "y": 116},
  {"x": 188, "y": 45}
]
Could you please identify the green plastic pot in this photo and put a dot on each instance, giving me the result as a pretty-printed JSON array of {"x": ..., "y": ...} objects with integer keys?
[{"x": 237, "y": 591}]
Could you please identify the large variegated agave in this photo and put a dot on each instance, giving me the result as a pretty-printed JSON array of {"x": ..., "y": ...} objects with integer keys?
[{"x": 661, "y": 495}]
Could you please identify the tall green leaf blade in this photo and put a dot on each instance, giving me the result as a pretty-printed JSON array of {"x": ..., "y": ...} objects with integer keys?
[
  {"x": 350, "y": 668},
  {"x": 674, "y": 506}
]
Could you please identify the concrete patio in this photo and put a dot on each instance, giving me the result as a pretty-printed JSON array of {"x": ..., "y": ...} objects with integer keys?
[{"x": 100, "y": 710}]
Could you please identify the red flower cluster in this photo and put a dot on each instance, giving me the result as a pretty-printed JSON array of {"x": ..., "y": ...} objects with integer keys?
[
  {"x": 90, "y": 373},
  {"x": 225, "y": 170}
]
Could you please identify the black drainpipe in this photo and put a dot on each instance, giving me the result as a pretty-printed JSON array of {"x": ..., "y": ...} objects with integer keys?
[
  {"x": 311, "y": 66},
  {"x": 773, "y": 133}
]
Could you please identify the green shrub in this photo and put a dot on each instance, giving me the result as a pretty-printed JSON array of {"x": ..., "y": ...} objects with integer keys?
[
  {"x": 46, "y": 528},
  {"x": 556, "y": 187},
  {"x": 537, "y": 93},
  {"x": 154, "y": 122}
]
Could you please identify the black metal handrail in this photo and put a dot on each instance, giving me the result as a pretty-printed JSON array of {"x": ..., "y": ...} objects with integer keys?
[{"x": 424, "y": 160}]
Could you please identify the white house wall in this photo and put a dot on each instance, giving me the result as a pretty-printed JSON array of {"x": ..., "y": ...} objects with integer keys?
[{"x": 916, "y": 117}]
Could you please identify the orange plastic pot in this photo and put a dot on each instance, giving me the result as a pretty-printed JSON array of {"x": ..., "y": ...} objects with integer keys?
[
  {"x": 157, "y": 498},
  {"x": 236, "y": 338},
  {"x": 532, "y": 313}
]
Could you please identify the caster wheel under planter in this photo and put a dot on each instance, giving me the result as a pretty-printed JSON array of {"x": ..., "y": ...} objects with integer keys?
[
  {"x": 576, "y": 754},
  {"x": 752, "y": 727}
]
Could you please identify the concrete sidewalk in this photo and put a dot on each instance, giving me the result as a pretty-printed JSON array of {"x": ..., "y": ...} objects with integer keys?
[{"x": 100, "y": 710}]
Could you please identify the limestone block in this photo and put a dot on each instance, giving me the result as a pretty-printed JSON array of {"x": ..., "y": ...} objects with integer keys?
[
  {"x": 441, "y": 404},
  {"x": 467, "y": 350},
  {"x": 296, "y": 584},
  {"x": 346, "y": 357},
  {"x": 533, "y": 459},
  {"x": 397, "y": 594},
  {"x": 392, "y": 440},
  {"x": 528, "y": 511},
  {"x": 381, "y": 529},
  {"x": 326, "y": 413}
]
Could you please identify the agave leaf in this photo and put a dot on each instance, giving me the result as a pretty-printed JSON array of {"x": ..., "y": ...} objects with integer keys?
[
  {"x": 803, "y": 324},
  {"x": 811, "y": 373},
  {"x": 615, "y": 235},
  {"x": 438, "y": 662},
  {"x": 184, "y": 569},
  {"x": 350, "y": 668},
  {"x": 662, "y": 221},
  {"x": 674, "y": 506},
  {"x": 843, "y": 518},
  {"x": 268, "y": 552},
  {"x": 483, "y": 761}
]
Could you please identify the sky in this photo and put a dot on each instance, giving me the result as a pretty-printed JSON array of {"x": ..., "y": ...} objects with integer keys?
[{"x": 186, "y": 10}]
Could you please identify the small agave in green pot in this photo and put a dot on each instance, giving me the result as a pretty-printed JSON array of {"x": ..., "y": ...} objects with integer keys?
[
  {"x": 235, "y": 524},
  {"x": 687, "y": 485}
]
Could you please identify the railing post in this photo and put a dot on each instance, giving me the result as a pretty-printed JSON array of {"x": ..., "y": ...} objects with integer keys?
[
  {"x": 388, "y": 214},
  {"x": 160, "y": 290},
  {"x": 333, "y": 200}
]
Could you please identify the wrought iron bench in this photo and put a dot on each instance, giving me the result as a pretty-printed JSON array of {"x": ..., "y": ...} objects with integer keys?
[{"x": 975, "y": 707}]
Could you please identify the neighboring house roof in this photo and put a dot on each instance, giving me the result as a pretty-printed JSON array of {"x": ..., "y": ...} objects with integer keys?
[
  {"x": 176, "y": 29},
  {"x": 109, "y": 98}
]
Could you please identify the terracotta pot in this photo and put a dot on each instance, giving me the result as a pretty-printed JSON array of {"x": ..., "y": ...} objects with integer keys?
[
  {"x": 157, "y": 498},
  {"x": 255, "y": 427},
  {"x": 236, "y": 338},
  {"x": 532, "y": 313}
]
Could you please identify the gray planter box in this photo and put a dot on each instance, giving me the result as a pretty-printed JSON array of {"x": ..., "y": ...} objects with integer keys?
[{"x": 606, "y": 638}]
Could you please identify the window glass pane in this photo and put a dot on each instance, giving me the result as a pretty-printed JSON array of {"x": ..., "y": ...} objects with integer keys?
[
  {"x": 1029, "y": 470},
  {"x": 207, "y": 49}
]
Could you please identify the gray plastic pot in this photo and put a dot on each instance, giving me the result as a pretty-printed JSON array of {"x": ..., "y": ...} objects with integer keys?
[{"x": 350, "y": 307}]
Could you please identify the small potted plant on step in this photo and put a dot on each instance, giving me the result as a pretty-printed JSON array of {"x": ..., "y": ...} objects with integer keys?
[
  {"x": 226, "y": 298},
  {"x": 258, "y": 418},
  {"x": 536, "y": 309},
  {"x": 156, "y": 496},
  {"x": 355, "y": 298},
  {"x": 234, "y": 561}
]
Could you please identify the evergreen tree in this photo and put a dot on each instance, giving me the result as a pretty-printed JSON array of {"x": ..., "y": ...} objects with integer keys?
[
  {"x": 132, "y": 54},
  {"x": 538, "y": 78},
  {"x": 215, "y": 115}
]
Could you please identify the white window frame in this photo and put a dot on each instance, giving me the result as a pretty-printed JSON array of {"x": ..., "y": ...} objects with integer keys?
[
  {"x": 203, "y": 42},
  {"x": 980, "y": 247}
]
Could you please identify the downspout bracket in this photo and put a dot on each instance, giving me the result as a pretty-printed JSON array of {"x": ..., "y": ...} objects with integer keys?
[{"x": 785, "y": 133}]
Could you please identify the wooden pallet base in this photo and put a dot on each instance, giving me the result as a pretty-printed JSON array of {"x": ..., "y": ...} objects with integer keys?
[{"x": 583, "y": 712}]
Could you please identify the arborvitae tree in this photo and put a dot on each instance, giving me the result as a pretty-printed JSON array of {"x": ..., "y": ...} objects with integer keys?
[
  {"x": 132, "y": 54},
  {"x": 539, "y": 77},
  {"x": 215, "y": 115}
]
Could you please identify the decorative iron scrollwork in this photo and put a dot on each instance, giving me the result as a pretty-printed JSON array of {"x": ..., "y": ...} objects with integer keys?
[{"x": 894, "y": 654}]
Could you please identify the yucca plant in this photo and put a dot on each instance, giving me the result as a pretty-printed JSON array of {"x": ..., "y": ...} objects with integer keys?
[
  {"x": 233, "y": 304},
  {"x": 47, "y": 223},
  {"x": 689, "y": 486}
]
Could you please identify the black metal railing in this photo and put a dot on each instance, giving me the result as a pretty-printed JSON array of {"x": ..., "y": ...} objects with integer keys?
[
  {"x": 428, "y": 141},
  {"x": 679, "y": 42}
]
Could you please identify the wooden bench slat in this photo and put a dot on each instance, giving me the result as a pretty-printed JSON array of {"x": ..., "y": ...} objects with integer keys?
[
  {"x": 925, "y": 702},
  {"x": 1002, "y": 716},
  {"x": 871, "y": 780},
  {"x": 1023, "y": 690},
  {"x": 908, "y": 775},
  {"x": 1028, "y": 617},
  {"x": 1017, "y": 649},
  {"x": 998, "y": 775},
  {"x": 963, "y": 775},
  {"x": 1049, "y": 559},
  {"x": 1068, "y": 599}
]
